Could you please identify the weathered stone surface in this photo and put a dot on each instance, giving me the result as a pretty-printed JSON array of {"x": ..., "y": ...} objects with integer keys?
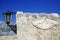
[
  {"x": 11, "y": 37},
  {"x": 27, "y": 31}
]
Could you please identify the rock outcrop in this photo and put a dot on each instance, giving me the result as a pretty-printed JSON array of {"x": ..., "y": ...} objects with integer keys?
[{"x": 30, "y": 27}]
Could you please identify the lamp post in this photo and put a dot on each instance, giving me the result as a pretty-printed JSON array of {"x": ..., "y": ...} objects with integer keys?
[{"x": 7, "y": 17}]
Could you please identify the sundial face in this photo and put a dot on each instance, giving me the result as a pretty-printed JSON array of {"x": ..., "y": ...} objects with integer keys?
[{"x": 44, "y": 23}]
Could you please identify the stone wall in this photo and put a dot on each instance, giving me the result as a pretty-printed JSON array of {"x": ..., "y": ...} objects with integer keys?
[
  {"x": 27, "y": 31},
  {"x": 10, "y": 37}
]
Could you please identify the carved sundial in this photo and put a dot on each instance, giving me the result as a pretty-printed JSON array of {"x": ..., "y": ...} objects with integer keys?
[{"x": 44, "y": 23}]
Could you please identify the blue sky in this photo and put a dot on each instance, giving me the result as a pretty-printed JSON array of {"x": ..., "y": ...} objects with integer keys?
[{"x": 46, "y": 6}]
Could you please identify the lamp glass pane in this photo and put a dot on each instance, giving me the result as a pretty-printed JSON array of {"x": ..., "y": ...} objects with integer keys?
[
  {"x": 8, "y": 18},
  {"x": 4, "y": 17}
]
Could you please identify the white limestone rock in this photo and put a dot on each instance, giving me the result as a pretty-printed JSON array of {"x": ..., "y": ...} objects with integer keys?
[
  {"x": 27, "y": 31},
  {"x": 44, "y": 23}
]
